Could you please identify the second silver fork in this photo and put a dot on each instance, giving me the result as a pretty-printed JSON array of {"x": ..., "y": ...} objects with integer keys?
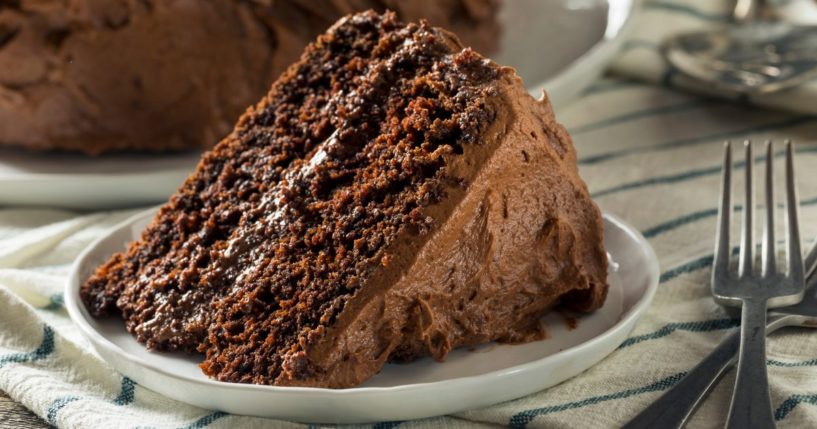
[{"x": 755, "y": 292}]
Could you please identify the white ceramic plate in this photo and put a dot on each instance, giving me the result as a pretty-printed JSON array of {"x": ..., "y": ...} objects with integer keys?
[
  {"x": 467, "y": 379},
  {"x": 561, "y": 45}
]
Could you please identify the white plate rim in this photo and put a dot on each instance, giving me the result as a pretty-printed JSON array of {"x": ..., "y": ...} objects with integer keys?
[{"x": 78, "y": 314}]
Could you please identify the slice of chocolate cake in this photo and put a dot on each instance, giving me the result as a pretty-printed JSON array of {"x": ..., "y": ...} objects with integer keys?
[{"x": 393, "y": 196}]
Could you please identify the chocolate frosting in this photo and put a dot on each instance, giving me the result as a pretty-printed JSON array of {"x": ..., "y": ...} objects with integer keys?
[
  {"x": 520, "y": 237},
  {"x": 98, "y": 76}
]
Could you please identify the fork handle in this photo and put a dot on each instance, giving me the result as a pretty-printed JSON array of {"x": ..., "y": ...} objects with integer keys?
[
  {"x": 674, "y": 408},
  {"x": 751, "y": 405}
]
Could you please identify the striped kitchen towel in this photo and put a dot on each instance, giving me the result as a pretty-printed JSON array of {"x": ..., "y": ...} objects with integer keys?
[
  {"x": 650, "y": 155},
  {"x": 657, "y": 20}
]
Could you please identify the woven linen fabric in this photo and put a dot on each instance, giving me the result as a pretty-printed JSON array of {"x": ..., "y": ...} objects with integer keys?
[
  {"x": 650, "y": 155},
  {"x": 657, "y": 20}
]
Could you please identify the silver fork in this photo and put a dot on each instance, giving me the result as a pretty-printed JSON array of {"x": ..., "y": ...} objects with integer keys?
[
  {"x": 755, "y": 292},
  {"x": 676, "y": 406}
]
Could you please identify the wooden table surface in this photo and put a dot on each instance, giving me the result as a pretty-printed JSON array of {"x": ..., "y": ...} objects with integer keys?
[{"x": 14, "y": 415}]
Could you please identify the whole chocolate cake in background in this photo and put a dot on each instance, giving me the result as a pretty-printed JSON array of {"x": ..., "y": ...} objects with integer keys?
[
  {"x": 394, "y": 196},
  {"x": 98, "y": 76}
]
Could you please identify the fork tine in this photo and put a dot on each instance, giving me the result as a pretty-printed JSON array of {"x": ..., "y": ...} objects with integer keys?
[
  {"x": 722, "y": 245},
  {"x": 769, "y": 263},
  {"x": 794, "y": 257},
  {"x": 747, "y": 243}
]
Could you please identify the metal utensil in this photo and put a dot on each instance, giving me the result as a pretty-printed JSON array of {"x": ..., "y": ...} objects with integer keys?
[
  {"x": 676, "y": 406},
  {"x": 751, "y": 405},
  {"x": 754, "y": 56}
]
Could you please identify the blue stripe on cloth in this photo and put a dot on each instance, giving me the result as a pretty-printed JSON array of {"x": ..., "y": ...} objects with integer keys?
[
  {"x": 773, "y": 362},
  {"x": 685, "y": 10},
  {"x": 55, "y": 302},
  {"x": 126, "y": 392},
  {"x": 699, "y": 326},
  {"x": 640, "y": 114},
  {"x": 678, "y": 222},
  {"x": 45, "y": 348},
  {"x": 687, "y": 175},
  {"x": 660, "y": 180},
  {"x": 696, "y": 216},
  {"x": 793, "y": 401},
  {"x": 58, "y": 405},
  {"x": 387, "y": 425},
  {"x": 521, "y": 420},
  {"x": 717, "y": 137},
  {"x": 694, "y": 265}
]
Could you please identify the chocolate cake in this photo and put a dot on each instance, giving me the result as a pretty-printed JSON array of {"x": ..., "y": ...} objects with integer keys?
[
  {"x": 99, "y": 76},
  {"x": 394, "y": 196}
]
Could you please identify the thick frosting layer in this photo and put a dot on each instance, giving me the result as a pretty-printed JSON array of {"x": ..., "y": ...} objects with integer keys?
[
  {"x": 520, "y": 236},
  {"x": 98, "y": 76}
]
